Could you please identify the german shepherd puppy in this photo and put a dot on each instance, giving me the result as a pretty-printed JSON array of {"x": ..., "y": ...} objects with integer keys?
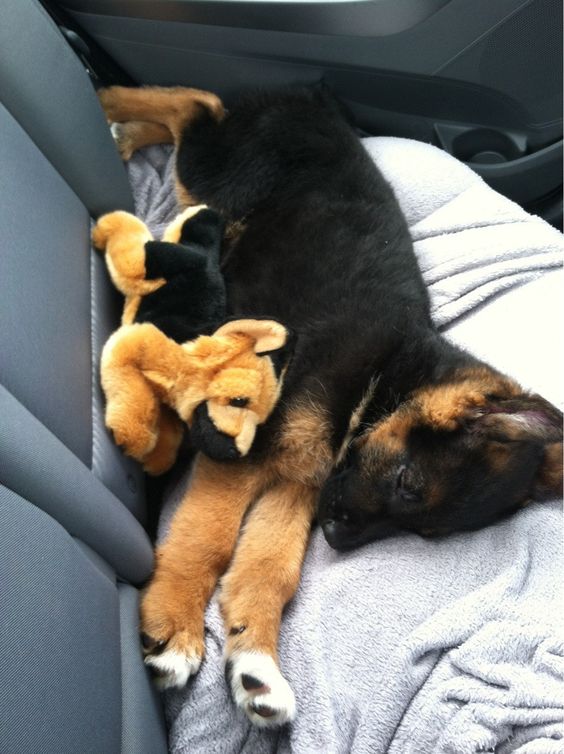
[{"x": 382, "y": 423}]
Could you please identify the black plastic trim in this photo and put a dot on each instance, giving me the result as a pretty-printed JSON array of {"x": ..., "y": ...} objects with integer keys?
[
  {"x": 520, "y": 179},
  {"x": 363, "y": 18},
  {"x": 101, "y": 68}
]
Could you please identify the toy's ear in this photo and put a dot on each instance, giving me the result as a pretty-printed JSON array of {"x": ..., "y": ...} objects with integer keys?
[
  {"x": 173, "y": 230},
  {"x": 267, "y": 334}
]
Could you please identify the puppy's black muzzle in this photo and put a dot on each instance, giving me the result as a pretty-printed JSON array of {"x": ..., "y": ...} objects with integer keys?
[{"x": 349, "y": 513}]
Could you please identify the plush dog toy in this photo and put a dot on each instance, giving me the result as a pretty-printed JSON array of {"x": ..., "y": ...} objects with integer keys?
[{"x": 163, "y": 365}]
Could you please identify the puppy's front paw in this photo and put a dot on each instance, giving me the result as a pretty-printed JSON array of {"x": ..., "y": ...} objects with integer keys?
[
  {"x": 173, "y": 639},
  {"x": 259, "y": 689},
  {"x": 172, "y": 662}
]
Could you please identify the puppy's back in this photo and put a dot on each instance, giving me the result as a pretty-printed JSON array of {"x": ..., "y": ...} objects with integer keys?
[{"x": 269, "y": 143}]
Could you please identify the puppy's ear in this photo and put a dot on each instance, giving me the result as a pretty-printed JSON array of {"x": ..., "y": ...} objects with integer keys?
[
  {"x": 548, "y": 482},
  {"x": 521, "y": 417},
  {"x": 528, "y": 418},
  {"x": 267, "y": 334}
]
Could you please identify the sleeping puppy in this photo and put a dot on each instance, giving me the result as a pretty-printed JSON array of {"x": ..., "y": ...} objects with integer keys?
[{"x": 382, "y": 424}]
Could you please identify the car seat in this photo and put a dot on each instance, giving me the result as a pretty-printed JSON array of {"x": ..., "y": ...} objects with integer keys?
[{"x": 73, "y": 548}]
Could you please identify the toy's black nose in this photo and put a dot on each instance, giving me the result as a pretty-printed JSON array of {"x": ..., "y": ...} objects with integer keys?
[{"x": 209, "y": 440}]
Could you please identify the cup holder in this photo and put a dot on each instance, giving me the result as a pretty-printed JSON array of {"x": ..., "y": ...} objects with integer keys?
[{"x": 485, "y": 146}]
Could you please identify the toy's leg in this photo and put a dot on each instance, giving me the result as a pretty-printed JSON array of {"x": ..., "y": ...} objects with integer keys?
[
  {"x": 170, "y": 431},
  {"x": 263, "y": 577},
  {"x": 172, "y": 107},
  {"x": 123, "y": 237},
  {"x": 135, "y": 134},
  {"x": 188, "y": 564},
  {"x": 133, "y": 406}
]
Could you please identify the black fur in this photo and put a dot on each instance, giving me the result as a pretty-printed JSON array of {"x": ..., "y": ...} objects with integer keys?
[{"x": 325, "y": 250}]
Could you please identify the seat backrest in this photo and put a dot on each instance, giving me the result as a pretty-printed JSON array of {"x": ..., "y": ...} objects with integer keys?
[{"x": 72, "y": 544}]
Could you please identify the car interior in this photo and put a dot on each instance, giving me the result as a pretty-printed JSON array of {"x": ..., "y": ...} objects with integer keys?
[{"x": 480, "y": 80}]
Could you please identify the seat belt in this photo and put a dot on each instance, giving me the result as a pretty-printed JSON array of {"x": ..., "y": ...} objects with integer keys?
[{"x": 100, "y": 67}]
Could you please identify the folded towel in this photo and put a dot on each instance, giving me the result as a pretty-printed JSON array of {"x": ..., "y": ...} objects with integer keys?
[{"x": 471, "y": 243}]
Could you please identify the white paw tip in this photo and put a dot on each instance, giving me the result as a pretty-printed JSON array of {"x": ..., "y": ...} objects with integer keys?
[
  {"x": 115, "y": 129},
  {"x": 172, "y": 669},
  {"x": 261, "y": 690}
]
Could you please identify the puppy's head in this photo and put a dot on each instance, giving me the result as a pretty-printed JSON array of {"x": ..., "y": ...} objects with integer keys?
[{"x": 455, "y": 456}]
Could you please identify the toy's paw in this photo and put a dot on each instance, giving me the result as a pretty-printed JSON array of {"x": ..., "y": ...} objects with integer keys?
[
  {"x": 260, "y": 690},
  {"x": 170, "y": 434},
  {"x": 136, "y": 438},
  {"x": 173, "y": 644}
]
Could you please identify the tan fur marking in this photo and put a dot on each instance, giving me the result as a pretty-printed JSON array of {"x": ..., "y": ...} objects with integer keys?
[
  {"x": 266, "y": 567},
  {"x": 444, "y": 406},
  {"x": 354, "y": 422},
  {"x": 197, "y": 550},
  {"x": 303, "y": 451},
  {"x": 392, "y": 432}
]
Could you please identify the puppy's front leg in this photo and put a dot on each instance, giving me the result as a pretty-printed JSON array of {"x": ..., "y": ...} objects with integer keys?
[
  {"x": 263, "y": 577},
  {"x": 195, "y": 553}
]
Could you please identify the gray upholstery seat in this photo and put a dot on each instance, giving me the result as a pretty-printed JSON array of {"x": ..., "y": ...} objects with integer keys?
[{"x": 73, "y": 550}]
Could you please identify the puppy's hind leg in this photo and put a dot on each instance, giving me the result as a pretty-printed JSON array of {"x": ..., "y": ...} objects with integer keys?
[
  {"x": 135, "y": 134},
  {"x": 263, "y": 577},
  {"x": 173, "y": 107}
]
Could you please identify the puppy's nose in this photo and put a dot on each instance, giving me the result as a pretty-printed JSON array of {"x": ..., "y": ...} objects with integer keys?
[{"x": 335, "y": 511}]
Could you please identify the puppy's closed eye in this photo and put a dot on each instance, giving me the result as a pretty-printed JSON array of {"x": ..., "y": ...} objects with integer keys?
[{"x": 405, "y": 487}]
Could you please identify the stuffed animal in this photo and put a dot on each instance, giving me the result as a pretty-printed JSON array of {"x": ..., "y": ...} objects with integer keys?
[{"x": 164, "y": 366}]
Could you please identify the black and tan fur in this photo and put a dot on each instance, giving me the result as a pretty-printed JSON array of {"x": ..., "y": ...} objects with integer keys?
[{"x": 392, "y": 424}]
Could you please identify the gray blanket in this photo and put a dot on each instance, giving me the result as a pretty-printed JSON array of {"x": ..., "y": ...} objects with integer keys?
[{"x": 412, "y": 645}]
